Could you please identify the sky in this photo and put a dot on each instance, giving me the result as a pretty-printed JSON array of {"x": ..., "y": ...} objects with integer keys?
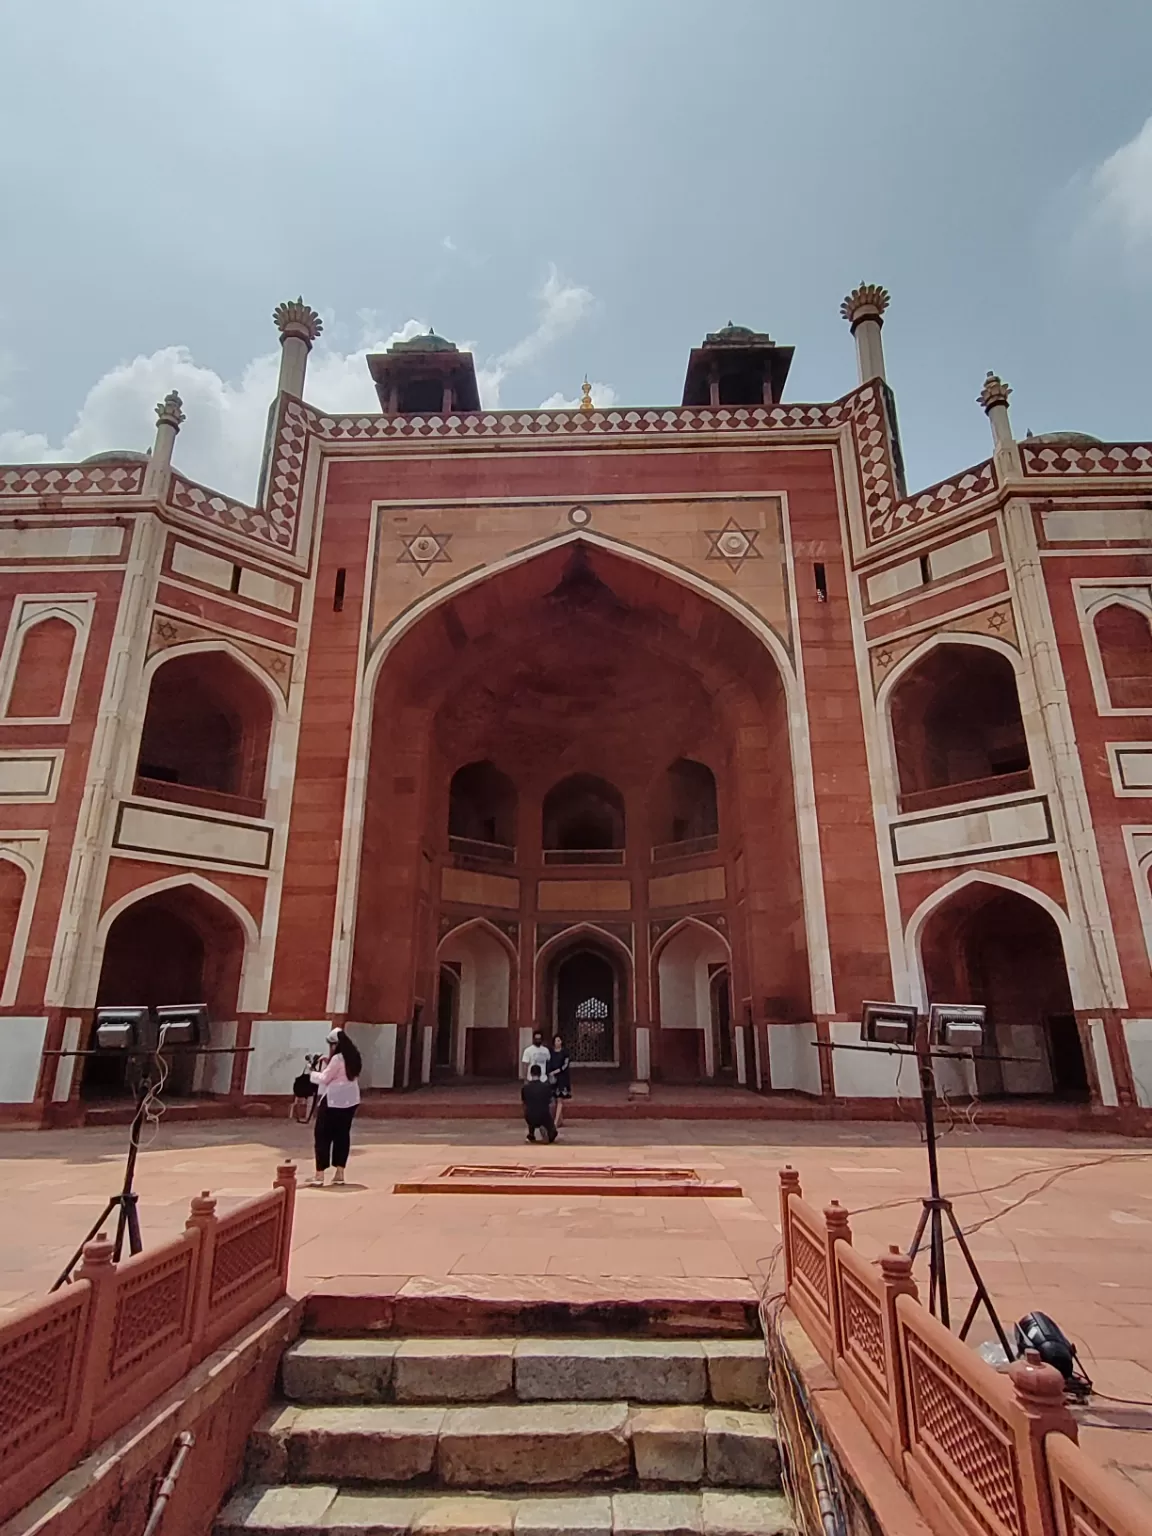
[{"x": 574, "y": 189}]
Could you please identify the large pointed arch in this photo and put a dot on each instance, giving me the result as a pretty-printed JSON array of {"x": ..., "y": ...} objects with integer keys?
[{"x": 795, "y": 706}]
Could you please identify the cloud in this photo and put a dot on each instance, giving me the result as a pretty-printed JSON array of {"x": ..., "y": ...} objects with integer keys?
[
  {"x": 603, "y": 396},
  {"x": 223, "y": 433},
  {"x": 1121, "y": 189},
  {"x": 448, "y": 243}
]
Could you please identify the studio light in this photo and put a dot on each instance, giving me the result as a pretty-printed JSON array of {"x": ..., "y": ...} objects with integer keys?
[
  {"x": 183, "y": 1024},
  {"x": 958, "y": 1025},
  {"x": 889, "y": 1023},
  {"x": 123, "y": 1029}
]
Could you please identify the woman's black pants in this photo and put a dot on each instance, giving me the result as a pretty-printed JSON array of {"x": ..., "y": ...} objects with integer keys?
[{"x": 333, "y": 1135}]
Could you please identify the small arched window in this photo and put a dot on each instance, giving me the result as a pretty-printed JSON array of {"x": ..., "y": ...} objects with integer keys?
[
  {"x": 1124, "y": 639},
  {"x": 482, "y": 809},
  {"x": 40, "y": 685},
  {"x": 957, "y": 729},
  {"x": 12, "y": 881},
  {"x": 685, "y": 817},
  {"x": 206, "y": 734}
]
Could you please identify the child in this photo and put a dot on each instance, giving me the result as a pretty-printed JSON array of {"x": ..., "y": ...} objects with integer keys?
[{"x": 537, "y": 1097}]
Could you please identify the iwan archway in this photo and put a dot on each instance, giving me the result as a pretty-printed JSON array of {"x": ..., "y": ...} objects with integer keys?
[{"x": 580, "y": 739}]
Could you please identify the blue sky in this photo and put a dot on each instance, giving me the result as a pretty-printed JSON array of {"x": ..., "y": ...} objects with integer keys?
[{"x": 578, "y": 188}]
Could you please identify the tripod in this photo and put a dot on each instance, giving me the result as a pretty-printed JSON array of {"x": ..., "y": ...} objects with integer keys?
[
  {"x": 938, "y": 1210},
  {"x": 126, "y": 1202}
]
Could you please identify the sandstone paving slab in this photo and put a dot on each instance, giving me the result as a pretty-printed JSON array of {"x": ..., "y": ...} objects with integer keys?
[
  {"x": 266, "y": 1455},
  {"x": 668, "y": 1444},
  {"x": 590, "y": 1515},
  {"x": 737, "y": 1372},
  {"x": 475, "y": 1514},
  {"x": 338, "y": 1370},
  {"x": 452, "y": 1370},
  {"x": 741, "y": 1449},
  {"x": 371, "y": 1444},
  {"x": 746, "y": 1514},
  {"x": 607, "y": 1370},
  {"x": 511, "y": 1446},
  {"x": 371, "y": 1513},
  {"x": 656, "y": 1514},
  {"x": 285, "y": 1510}
]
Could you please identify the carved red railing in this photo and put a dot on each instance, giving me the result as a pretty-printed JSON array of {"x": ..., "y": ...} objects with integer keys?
[
  {"x": 1087, "y": 1500},
  {"x": 78, "y": 1366},
  {"x": 982, "y": 1454}
]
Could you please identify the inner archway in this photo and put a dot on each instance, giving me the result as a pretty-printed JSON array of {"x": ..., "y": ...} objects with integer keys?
[
  {"x": 585, "y": 995},
  {"x": 472, "y": 1011},
  {"x": 692, "y": 1010},
  {"x": 173, "y": 946},
  {"x": 990, "y": 945}
]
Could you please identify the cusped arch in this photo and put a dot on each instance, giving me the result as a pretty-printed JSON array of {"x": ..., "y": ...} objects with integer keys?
[
  {"x": 568, "y": 936},
  {"x": 934, "y": 642},
  {"x": 678, "y": 927},
  {"x": 209, "y": 647},
  {"x": 1113, "y": 599},
  {"x": 486, "y": 926}
]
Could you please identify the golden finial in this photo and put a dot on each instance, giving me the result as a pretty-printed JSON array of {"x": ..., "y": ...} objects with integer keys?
[{"x": 586, "y": 395}]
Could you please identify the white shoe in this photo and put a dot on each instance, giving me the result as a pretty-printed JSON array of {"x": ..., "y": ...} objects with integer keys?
[
  {"x": 338, "y": 1176},
  {"x": 315, "y": 1182}
]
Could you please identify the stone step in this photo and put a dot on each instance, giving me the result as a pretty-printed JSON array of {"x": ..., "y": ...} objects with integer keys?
[
  {"x": 729, "y": 1372},
  {"x": 571, "y": 1444},
  {"x": 304, "y": 1510}
]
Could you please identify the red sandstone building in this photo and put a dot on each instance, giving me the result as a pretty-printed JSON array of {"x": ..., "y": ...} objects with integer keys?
[{"x": 681, "y": 730}]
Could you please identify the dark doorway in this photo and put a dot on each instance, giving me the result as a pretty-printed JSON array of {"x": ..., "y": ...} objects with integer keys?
[
  {"x": 994, "y": 946},
  {"x": 447, "y": 1012},
  {"x": 584, "y": 993},
  {"x": 722, "y": 1042}
]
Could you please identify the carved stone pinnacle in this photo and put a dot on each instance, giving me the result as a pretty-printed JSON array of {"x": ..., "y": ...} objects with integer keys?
[
  {"x": 169, "y": 412},
  {"x": 294, "y": 318},
  {"x": 868, "y": 301},
  {"x": 995, "y": 392}
]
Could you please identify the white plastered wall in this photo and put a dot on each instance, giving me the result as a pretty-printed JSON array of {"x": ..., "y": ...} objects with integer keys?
[
  {"x": 684, "y": 980},
  {"x": 485, "y": 990}
]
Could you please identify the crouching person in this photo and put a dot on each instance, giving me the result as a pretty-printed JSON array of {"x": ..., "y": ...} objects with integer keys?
[{"x": 537, "y": 1096}]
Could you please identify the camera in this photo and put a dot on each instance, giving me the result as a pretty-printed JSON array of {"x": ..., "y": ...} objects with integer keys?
[{"x": 314, "y": 1063}]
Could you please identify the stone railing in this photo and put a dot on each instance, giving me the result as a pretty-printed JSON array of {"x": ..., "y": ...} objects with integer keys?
[
  {"x": 981, "y": 1454},
  {"x": 77, "y": 1367}
]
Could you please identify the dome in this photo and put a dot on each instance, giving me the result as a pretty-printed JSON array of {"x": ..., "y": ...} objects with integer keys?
[
  {"x": 737, "y": 336},
  {"x": 1065, "y": 440},
  {"x": 116, "y": 456},
  {"x": 429, "y": 342}
]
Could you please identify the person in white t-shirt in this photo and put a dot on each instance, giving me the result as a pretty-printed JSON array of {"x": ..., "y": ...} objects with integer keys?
[
  {"x": 536, "y": 1055},
  {"x": 338, "y": 1095}
]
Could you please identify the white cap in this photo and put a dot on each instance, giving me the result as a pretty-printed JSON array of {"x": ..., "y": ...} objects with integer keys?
[{"x": 333, "y": 1037}]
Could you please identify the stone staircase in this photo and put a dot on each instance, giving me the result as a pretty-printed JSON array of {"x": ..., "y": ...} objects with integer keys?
[{"x": 517, "y": 1436}]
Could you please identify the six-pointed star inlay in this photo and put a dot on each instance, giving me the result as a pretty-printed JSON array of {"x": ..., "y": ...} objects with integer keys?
[
  {"x": 733, "y": 544},
  {"x": 424, "y": 549}
]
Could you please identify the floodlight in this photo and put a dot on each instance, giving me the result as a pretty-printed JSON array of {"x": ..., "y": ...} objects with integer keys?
[
  {"x": 889, "y": 1023},
  {"x": 183, "y": 1024},
  {"x": 960, "y": 1025},
  {"x": 122, "y": 1029}
]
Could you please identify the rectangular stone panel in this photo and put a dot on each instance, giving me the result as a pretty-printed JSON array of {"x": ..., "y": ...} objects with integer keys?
[
  {"x": 29, "y": 775},
  {"x": 896, "y": 580},
  {"x": 1133, "y": 767},
  {"x": 959, "y": 555},
  {"x": 185, "y": 835},
  {"x": 266, "y": 589},
  {"x": 688, "y": 889},
  {"x": 59, "y": 543},
  {"x": 199, "y": 565},
  {"x": 584, "y": 895},
  {"x": 1084, "y": 526},
  {"x": 474, "y": 889},
  {"x": 990, "y": 829}
]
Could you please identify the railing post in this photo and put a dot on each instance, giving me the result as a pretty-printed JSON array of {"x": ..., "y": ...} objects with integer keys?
[
  {"x": 836, "y": 1227},
  {"x": 897, "y": 1279},
  {"x": 789, "y": 1185},
  {"x": 202, "y": 1219},
  {"x": 286, "y": 1180},
  {"x": 1039, "y": 1392},
  {"x": 100, "y": 1272}
]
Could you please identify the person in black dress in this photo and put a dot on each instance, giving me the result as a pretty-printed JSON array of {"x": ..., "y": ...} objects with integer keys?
[{"x": 560, "y": 1076}]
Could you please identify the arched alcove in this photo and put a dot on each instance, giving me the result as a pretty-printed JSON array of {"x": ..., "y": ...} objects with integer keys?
[
  {"x": 12, "y": 883},
  {"x": 1124, "y": 640},
  {"x": 206, "y": 736},
  {"x": 583, "y": 822},
  {"x": 991, "y": 945},
  {"x": 686, "y": 965},
  {"x": 586, "y": 1000},
  {"x": 178, "y": 945},
  {"x": 957, "y": 730},
  {"x": 685, "y": 816},
  {"x": 473, "y": 1003},
  {"x": 40, "y": 683},
  {"x": 482, "y": 805}
]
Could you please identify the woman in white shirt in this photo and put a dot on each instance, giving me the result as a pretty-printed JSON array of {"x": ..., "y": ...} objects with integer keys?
[{"x": 338, "y": 1095}]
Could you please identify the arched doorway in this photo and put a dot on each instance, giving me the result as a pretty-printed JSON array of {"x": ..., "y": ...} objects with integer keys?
[
  {"x": 174, "y": 946},
  {"x": 987, "y": 944},
  {"x": 692, "y": 977},
  {"x": 586, "y": 997},
  {"x": 472, "y": 1005}
]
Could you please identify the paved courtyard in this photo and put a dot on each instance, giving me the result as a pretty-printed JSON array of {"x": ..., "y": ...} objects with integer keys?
[{"x": 1062, "y": 1223}]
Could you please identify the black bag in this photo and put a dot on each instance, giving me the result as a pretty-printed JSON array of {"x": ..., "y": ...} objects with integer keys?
[{"x": 303, "y": 1099}]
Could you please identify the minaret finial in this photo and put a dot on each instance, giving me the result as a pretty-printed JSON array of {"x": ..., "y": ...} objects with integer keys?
[{"x": 586, "y": 396}]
